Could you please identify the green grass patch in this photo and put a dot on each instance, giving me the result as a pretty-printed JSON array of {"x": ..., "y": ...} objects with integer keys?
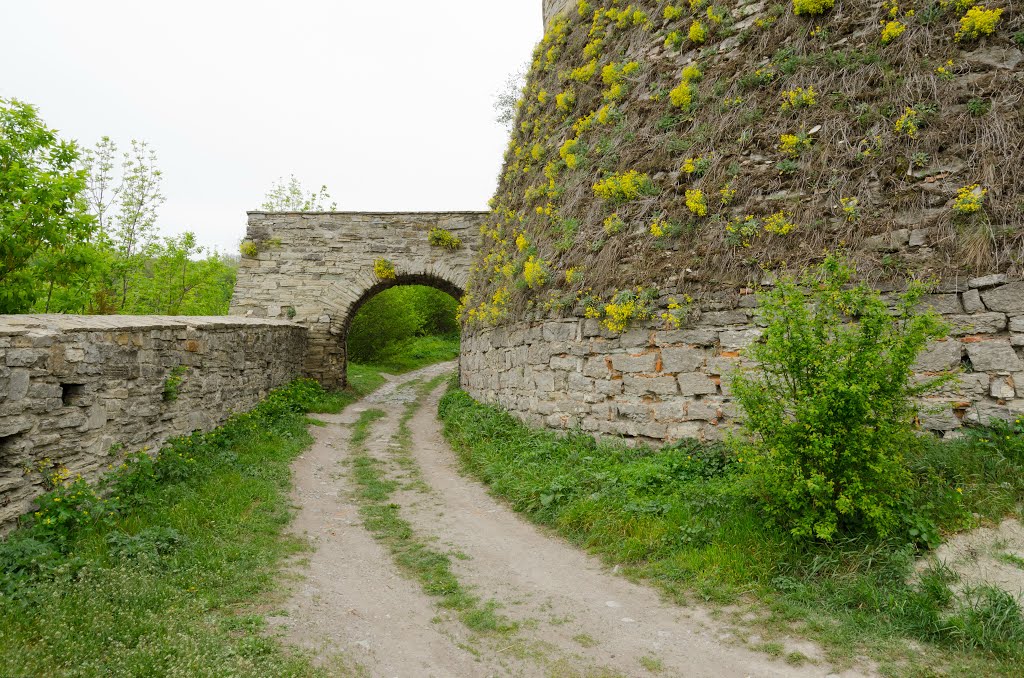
[
  {"x": 682, "y": 518},
  {"x": 412, "y": 353},
  {"x": 158, "y": 574},
  {"x": 413, "y": 555}
]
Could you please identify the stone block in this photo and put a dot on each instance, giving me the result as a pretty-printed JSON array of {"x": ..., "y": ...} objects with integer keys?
[
  {"x": 972, "y": 301},
  {"x": 937, "y": 416},
  {"x": 654, "y": 385},
  {"x": 978, "y": 323},
  {"x": 732, "y": 340},
  {"x": 939, "y": 356},
  {"x": 566, "y": 363},
  {"x": 1005, "y": 298},
  {"x": 946, "y": 304},
  {"x": 559, "y": 331},
  {"x": 608, "y": 387},
  {"x": 696, "y": 384},
  {"x": 994, "y": 355},
  {"x": 682, "y": 359},
  {"x": 596, "y": 367},
  {"x": 696, "y": 337},
  {"x": 987, "y": 281},
  {"x": 1017, "y": 324},
  {"x": 703, "y": 410},
  {"x": 1002, "y": 388},
  {"x": 629, "y": 363}
]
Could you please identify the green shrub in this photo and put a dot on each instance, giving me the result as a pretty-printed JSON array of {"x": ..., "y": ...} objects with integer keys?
[{"x": 828, "y": 403}]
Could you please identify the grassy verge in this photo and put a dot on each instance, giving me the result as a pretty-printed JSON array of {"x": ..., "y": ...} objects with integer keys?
[
  {"x": 161, "y": 575},
  {"x": 680, "y": 517},
  {"x": 414, "y": 353},
  {"x": 413, "y": 554}
]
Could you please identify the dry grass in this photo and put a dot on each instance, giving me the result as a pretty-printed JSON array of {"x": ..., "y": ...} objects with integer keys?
[{"x": 863, "y": 88}]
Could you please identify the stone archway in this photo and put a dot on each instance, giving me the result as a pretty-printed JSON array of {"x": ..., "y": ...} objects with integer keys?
[{"x": 317, "y": 269}]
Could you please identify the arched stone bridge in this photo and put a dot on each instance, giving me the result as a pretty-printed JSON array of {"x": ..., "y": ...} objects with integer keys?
[{"x": 317, "y": 269}]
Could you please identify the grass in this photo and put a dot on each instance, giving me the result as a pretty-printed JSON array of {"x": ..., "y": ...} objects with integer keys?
[
  {"x": 412, "y": 553},
  {"x": 165, "y": 580},
  {"x": 412, "y": 354},
  {"x": 680, "y": 518}
]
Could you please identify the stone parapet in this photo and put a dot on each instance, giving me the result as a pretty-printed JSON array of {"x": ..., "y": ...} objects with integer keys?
[
  {"x": 81, "y": 390},
  {"x": 652, "y": 384}
]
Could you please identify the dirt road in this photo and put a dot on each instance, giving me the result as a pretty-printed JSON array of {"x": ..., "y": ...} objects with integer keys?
[{"x": 352, "y": 606}]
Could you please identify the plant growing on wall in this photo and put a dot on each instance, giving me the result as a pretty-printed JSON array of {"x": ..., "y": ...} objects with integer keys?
[
  {"x": 440, "y": 237},
  {"x": 384, "y": 269}
]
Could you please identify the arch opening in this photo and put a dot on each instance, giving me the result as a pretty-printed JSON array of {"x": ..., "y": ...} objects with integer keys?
[{"x": 401, "y": 324}]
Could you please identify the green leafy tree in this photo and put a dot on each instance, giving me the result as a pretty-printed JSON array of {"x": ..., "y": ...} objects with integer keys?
[
  {"x": 290, "y": 196},
  {"x": 828, "y": 405},
  {"x": 42, "y": 211},
  {"x": 179, "y": 277}
]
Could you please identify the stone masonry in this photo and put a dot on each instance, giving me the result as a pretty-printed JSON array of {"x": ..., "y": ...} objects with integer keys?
[
  {"x": 555, "y": 7},
  {"x": 80, "y": 390},
  {"x": 317, "y": 270},
  {"x": 656, "y": 384}
]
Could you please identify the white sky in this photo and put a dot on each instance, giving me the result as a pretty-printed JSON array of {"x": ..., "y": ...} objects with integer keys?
[{"x": 388, "y": 102}]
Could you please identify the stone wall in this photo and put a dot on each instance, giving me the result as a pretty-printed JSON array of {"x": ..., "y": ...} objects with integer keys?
[
  {"x": 653, "y": 384},
  {"x": 317, "y": 270},
  {"x": 73, "y": 389}
]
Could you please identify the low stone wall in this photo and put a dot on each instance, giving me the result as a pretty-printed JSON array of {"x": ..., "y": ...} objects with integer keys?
[
  {"x": 77, "y": 389},
  {"x": 653, "y": 384}
]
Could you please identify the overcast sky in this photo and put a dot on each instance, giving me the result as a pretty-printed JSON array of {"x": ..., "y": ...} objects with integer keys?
[{"x": 388, "y": 103}]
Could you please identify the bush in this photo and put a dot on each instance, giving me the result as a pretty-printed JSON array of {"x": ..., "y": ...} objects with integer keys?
[{"x": 828, "y": 404}]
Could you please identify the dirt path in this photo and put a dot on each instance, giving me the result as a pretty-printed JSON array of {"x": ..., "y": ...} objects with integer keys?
[{"x": 575, "y": 617}]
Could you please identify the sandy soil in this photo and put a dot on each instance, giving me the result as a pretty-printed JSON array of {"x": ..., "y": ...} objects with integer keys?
[
  {"x": 577, "y": 617},
  {"x": 987, "y": 555}
]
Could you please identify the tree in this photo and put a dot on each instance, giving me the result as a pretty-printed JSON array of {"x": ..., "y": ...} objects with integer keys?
[
  {"x": 42, "y": 211},
  {"x": 290, "y": 196},
  {"x": 506, "y": 102}
]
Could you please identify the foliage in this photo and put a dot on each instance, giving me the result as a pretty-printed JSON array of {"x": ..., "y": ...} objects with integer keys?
[
  {"x": 291, "y": 196},
  {"x": 440, "y": 237},
  {"x": 108, "y": 258},
  {"x": 969, "y": 199},
  {"x": 812, "y": 7},
  {"x": 384, "y": 269},
  {"x": 43, "y": 221},
  {"x": 978, "y": 22},
  {"x": 389, "y": 320},
  {"x": 173, "y": 382},
  {"x": 624, "y": 187},
  {"x": 828, "y": 403}
]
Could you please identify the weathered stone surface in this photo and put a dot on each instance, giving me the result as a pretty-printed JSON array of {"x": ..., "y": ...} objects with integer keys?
[
  {"x": 681, "y": 359},
  {"x": 696, "y": 384},
  {"x": 939, "y": 356},
  {"x": 97, "y": 381},
  {"x": 655, "y": 385},
  {"x": 987, "y": 280},
  {"x": 978, "y": 323},
  {"x": 1005, "y": 298},
  {"x": 945, "y": 304},
  {"x": 972, "y": 301},
  {"x": 735, "y": 340},
  {"x": 994, "y": 355},
  {"x": 629, "y": 363}
]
